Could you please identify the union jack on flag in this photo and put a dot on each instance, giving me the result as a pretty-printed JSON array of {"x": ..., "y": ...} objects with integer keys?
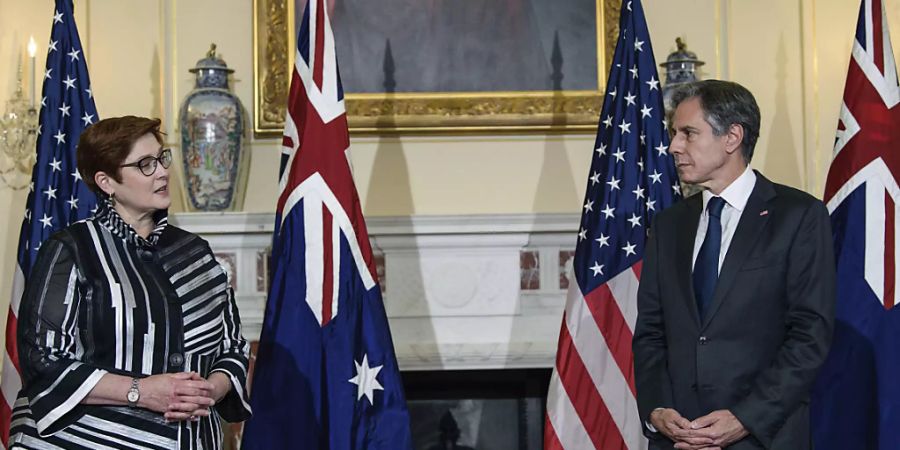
[
  {"x": 856, "y": 400},
  {"x": 591, "y": 401},
  {"x": 326, "y": 375},
  {"x": 58, "y": 196}
]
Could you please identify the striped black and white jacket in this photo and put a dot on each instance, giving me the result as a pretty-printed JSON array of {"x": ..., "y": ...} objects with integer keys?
[{"x": 102, "y": 299}]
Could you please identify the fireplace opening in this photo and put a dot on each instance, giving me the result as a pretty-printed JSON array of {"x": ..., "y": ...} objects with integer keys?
[{"x": 477, "y": 409}]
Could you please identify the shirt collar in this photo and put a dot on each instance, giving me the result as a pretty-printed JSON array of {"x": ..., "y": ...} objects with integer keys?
[
  {"x": 737, "y": 193},
  {"x": 110, "y": 218}
]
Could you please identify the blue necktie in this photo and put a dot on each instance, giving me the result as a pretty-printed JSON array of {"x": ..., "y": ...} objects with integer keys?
[{"x": 706, "y": 268}]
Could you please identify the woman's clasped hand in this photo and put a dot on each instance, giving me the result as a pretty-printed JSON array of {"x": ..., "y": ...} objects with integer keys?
[{"x": 178, "y": 396}]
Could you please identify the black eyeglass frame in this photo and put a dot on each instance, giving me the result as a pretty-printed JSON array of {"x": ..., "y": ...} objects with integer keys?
[{"x": 144, "y": 164}]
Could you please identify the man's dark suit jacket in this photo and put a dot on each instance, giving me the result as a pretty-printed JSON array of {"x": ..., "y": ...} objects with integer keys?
[{"x": 767, "y": 331}]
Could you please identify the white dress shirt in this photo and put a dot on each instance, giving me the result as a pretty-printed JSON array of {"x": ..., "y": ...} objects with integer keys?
[{"x": 735, "y": 195}]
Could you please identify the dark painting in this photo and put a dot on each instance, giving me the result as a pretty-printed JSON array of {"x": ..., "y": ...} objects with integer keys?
[{"x": 464, "y": 45}]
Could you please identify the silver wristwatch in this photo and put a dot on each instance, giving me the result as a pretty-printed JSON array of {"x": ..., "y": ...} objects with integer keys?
[{"x": 133, "y": 394}]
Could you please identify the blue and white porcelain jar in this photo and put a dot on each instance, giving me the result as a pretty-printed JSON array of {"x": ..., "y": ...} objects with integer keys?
[{"x": 212, "y": 137}]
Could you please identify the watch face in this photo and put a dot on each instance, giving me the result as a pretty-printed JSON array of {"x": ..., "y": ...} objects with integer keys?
[{"x": 133, "y": 396}]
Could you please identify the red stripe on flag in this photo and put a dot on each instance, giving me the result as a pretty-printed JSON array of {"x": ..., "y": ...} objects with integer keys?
[
  {"x": 637, "y": 267},
  {"x": 615, "y": 330},
  {"x": 5, "y": 419},
  {"x": 12, "y": 323},
  {"x": 877, "y": 50},
  {"x": 328, "y": 264},
  {"x": 889, "y": 264},
  {"x": 551, "y": 441},
  {"x": 586, "y": 400},
  {"x": 319, "y": 63}
]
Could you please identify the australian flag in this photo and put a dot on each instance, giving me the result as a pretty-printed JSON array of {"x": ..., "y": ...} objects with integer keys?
[
  {"x": 856, "y": 401},
  {"x": 58, "y": 196},
  {"x": 326, "y": 376}
]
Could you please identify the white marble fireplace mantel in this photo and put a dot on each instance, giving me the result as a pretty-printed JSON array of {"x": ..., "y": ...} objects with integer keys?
[{"x": 461, "y": 292}]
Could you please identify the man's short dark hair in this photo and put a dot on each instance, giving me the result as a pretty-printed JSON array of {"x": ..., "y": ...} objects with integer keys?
[{"x": 724, "y": 103}]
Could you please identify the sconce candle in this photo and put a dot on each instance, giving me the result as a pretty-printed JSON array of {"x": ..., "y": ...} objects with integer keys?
[{"x": 32, "y": 50}]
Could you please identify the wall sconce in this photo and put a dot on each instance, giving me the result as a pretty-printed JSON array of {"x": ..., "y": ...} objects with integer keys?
[{"x": 18, "y": 132}]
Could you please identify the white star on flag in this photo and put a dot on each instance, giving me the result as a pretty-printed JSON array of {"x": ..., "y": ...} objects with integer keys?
[
  {"x": 70, "y": 82},
  {"x": 629, "y": 249},
  {"x": 597, "y": 268},
  {"x": 638, "y": 192},
  {"x": 639, "y": 45},
  {"x": 74, "y": 54},
  {"x": 47, "y": 221},
  {"x": 365, "y": 380},
  {"x": 50, "y": 192},
  {"x": 56, "y": 165},
  {"x": 662, "y": 149},
  {"x": 635, "y": 220},
  {"x": 613, "y": 183},
  {"x": 608, "y": 212}
]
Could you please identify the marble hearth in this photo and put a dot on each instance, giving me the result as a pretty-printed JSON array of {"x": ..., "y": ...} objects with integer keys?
[{"x": 461, "y": 292}]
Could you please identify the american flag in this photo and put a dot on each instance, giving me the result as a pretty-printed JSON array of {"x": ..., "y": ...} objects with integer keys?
[
  {"x": 591, "y": 402},
  {"x": 856, "y": 400},
  {"x": 326, "y": 375},
  {"x": 58, "y": 196}
]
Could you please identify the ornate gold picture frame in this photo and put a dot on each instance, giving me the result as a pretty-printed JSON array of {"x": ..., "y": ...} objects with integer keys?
[{"x": 425, "y": 112}]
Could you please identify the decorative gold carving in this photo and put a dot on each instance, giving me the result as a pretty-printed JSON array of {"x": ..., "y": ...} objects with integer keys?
[
  {"x": 428, "y": 112},
  {"x": 611, "y": 11},
  {"x": 271, "y": 80},
  {"x": 512, "y": 111}
]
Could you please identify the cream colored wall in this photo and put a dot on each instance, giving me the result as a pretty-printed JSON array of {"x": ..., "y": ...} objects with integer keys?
[{"x": 792, "y": 54}]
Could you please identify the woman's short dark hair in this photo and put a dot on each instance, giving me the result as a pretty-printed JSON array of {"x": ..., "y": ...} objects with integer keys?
[
  {"x": 104, "y": 146},
  {"x": 725, "y": 103}
]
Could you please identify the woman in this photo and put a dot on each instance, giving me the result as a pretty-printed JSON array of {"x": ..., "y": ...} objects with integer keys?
[{"x": 128, "y": 333}]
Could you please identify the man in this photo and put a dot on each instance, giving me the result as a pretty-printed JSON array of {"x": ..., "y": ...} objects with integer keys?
[{"x": 736, "y": 301}]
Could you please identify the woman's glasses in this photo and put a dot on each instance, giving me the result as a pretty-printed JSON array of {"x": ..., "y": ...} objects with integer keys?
[{"x": 148, "y": 164}]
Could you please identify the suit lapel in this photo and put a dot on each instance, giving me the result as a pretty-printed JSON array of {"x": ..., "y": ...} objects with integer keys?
[
  {"x": 684, "y": 252},
  {"x": 752, "y": 222}
]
